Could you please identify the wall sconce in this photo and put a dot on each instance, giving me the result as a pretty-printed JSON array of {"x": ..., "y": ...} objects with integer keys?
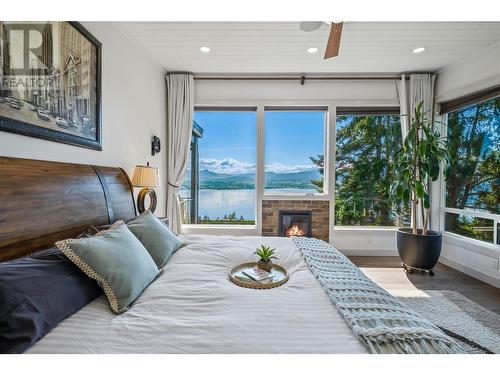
[{"x": 155, "y": 145}]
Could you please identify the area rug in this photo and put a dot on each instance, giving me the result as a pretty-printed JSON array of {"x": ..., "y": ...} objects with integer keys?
[{"x": 474, "y": 327}]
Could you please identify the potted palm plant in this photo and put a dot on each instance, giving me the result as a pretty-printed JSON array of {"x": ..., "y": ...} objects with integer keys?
[{"x": 420, "y": 158}]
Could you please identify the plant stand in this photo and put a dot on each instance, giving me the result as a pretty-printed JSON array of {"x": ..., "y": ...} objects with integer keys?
[{"x": 409, "y": 269}]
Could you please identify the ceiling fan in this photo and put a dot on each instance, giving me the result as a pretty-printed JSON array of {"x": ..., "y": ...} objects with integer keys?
[{"x": 333, "y": 44}]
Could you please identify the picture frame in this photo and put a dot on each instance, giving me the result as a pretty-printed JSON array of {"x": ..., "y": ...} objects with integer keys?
[{"x": 50, "y": 82}]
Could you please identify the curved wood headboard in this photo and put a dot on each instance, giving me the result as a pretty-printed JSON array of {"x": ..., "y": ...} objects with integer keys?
[{"x": 42, "y": 202}]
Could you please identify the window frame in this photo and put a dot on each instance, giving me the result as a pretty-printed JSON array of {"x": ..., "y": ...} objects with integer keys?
[
  {"x": 236, "y": 229},
  {"x": 340, "y": 233},
  {"x": 326, "y": 179},
  {"x": 451, "y": 106},
  {"x": 474, "y": 213},
  {"x": 448, "y": 106},
  {"x": 360, "y": 110},
  {"x": 196, "y": 134}
]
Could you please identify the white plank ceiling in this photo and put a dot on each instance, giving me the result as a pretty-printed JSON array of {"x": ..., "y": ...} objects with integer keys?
[{"x": 280, "y": 47}]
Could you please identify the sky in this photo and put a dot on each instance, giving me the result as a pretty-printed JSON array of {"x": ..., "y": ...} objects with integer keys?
[{"x": 229, "y": 140}]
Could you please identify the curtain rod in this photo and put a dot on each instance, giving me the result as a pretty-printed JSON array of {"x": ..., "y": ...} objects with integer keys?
[{"x": 301, "y": 78}]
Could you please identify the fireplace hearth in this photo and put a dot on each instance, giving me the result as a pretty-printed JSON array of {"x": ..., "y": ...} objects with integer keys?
[{"x": 295, "y": 223}]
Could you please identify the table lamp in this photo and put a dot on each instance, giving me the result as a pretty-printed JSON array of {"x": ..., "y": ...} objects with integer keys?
[{"x": 147, "y": 178}]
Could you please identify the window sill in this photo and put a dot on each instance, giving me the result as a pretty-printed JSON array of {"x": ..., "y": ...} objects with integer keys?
[
  {"x": 363, "y": 229},
  {"x": 294, "y": 197},
  {"x": 221, "y": 230},
  {"x": 471, "y": 244},
  {"x": 218, "y": 226}
]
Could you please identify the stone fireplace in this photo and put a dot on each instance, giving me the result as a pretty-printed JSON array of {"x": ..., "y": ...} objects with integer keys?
[{"x": 280, "y": 216}]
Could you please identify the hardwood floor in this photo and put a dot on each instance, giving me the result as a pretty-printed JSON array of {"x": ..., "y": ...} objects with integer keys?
[{"x": 387, "y": 272}]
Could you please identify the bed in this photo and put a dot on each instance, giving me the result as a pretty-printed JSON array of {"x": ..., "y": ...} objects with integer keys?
[{"x": 193, "y": 307}]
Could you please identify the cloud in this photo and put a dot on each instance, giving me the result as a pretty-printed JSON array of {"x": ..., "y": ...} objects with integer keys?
[
  {"x": 227, "y": 166},
  {"x": 233, "y": 166}
]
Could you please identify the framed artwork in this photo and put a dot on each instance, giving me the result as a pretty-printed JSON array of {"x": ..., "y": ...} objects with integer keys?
[{"x": 50, "y": 82}]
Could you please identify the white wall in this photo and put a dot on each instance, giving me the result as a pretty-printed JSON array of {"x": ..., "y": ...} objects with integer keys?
[
  {"x": 476, "y": 72},
  {"x": 342, "y": 92},
  {"x": 353, "y": 241},
  {"x": 479, "y": 260},
  {"x": 133, "y": 110}
]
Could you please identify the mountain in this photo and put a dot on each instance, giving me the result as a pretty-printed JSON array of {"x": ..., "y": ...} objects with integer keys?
[
  {"x": 296, "y": 180},
  {"x": 222, "y": 181}
]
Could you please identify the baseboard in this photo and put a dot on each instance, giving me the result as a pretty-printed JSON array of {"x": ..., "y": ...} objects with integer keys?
[
  {"x": 369, "y": 252},
  {"x": 470, "y": 271}
]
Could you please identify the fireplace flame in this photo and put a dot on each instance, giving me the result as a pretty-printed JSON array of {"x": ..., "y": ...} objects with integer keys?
[{"x": 294, "y": 231}]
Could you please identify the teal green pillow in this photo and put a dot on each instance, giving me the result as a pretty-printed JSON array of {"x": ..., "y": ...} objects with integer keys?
[
  {"x": 158, "y": 240},
  {"x": 116, "y": 259}
]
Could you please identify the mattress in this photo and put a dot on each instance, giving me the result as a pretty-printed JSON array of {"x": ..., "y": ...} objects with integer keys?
[{"x": 194, "y": 308}]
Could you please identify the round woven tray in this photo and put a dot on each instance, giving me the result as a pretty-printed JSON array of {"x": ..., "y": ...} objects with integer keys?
[{"x": 236, "y": 276}]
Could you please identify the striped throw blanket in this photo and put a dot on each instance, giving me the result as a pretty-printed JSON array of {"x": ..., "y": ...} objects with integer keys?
[{"x": 377, "y": 319}]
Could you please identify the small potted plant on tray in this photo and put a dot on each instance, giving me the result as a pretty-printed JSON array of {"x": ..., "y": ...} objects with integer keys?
[
  {"x": 266, "y": 254},
  {"x": 422, "y": 153}
]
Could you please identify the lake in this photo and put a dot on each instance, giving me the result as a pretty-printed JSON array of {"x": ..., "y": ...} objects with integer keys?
[{"x": 217, "y": 203}]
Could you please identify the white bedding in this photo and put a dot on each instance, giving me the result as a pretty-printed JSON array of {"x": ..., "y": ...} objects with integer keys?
[{"x": 194, "y": 308}]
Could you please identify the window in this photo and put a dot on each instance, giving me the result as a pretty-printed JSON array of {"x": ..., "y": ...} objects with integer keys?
[
  {"x": 294, "y": 150},
  {"x": 366, "y": 156},
  {"x": 473, "y": 183},
  {"x": 220, "y": 183}
]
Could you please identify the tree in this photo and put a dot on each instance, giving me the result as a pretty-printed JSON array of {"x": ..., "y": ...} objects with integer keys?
[
  {"x": 365, "y": 168},
  {"x": 474, "y": 145},
  {"x": 473, "y": 181},
  {"x": 319, "y": 162}
]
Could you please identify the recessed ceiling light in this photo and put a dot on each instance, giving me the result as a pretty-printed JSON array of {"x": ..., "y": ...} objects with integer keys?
[
  {"x": 419, "y": 50},
  {"x": 312, "y": 50},
  {"x": 204, "y": 49}
]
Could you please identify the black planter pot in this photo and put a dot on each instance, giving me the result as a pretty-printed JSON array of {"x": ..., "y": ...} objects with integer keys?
[{"x": 418, "y": 251}]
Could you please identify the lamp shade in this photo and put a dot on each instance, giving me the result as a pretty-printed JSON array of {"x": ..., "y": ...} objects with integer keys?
[{"x": 146, "y": 176}]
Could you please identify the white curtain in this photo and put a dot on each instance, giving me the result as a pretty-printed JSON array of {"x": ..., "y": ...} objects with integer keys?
[
  {"x": 421, "y": 88},
  {"x": 180, "y": 107},
  {"x": 403, "y": 105}
]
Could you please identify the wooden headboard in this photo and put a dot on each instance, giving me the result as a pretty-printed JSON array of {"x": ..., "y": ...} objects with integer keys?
[{"x": 42, "y": 202}]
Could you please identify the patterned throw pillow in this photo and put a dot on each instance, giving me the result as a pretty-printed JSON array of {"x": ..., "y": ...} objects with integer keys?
[
  {"x": 94, "y": 229},
  {"x": 117, "y": 260}
]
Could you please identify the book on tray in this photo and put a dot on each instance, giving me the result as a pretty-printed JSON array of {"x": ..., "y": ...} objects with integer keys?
[{"x": 257, "y": 274}]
